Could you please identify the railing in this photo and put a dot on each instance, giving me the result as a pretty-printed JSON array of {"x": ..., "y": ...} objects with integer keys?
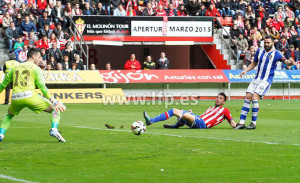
[
  {"x": 224, "y": 43},
  {"x": 76, "y": 33}
]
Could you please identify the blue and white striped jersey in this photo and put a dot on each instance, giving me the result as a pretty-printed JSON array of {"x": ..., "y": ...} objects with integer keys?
[{"x": 267, "y": 64}]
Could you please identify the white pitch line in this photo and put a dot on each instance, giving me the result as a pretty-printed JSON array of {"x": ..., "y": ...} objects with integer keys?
[
  {"x": 15, "y": 179},
  {"x": 198, "y": 137}
]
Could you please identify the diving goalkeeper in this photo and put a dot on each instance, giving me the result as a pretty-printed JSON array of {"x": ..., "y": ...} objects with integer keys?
[{"x": 25, "y": 77}]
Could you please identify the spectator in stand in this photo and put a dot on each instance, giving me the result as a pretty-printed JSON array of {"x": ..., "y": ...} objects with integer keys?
[
  {"x": 293, "y": 67},
  {"x": 296, "y": 7},
  {"x": 248, "y": 57},
  {"x": 59, "y": 33},
  {"x": 171, "y": 11},
  {"x": 234, "y": 7},
  {"x": 234, "y": 32},
  {"x": 93, "y": 67},
  {"x": 212, "y": 11},
  {"x": 27, "y": 26},
  {"x": 87, "y": 10},
  {"x": 44, "y": 43},
  {"x": 6, "y": 22},
  {"x": 287, "y": 22},
  {"x": 42, "y": 4},
  {"x": 280, "y": 13},
  {"x": 242, "y": 7},
  {"x": 130, "y": 11},
  {"x": 12, "y": 12},
  {"x": 254, "y": 42},
  {"x": 93, "y": 3},
  {"x": 255, "y": 33},
  {"x": 34, "y": 11},
  {"x": 291, "y": 52},
  {"x": 74, "y": 67},
  {"x": 250, "y": 14},
  {"x": 43, "y": 20},
  {"x": 48, "y": 68},
  {"x": 193, "y": 8},
  {"x": 21, "y": 54},
  {"x": 33, "y": 19},
  {"x": 59, "y": 67},
  {"x": 275, "y": 34},
  {"x": 108, "y": 66},
  {"x": 132, "y": 63},
  {"x": 241, "y": 46},
  {"x": 254, "y": 4},
  {"x": 265, "y": 32},
  {"x": 46, "y": 31},
  {"x": 55, "y": 52},
  {"x": 49, "y": 10},
  {"x": 239, "y": 22},
  {"x": 44, "y": 56},
  {"x": 30, "y": 41},
  {"x": 269, "y": 7},
  {"x": 76, "y": 10},
  {"x": 219, "y": 4},
  {"x": 66, "y": 64},
  {"x": 282, "y": 44},
  {"x": 115, "y": 4},
  {"x": 202, "y": 10},
  {"x": 279, "y": 3},
  {"x": 226, "y": 10},
  {"x": 287, "y": 34},
  {"x": 100, "y": 10},
  {"x": 163, "y": 62},
  {"x": 260, "y": 12},
  {"x": 53, "y": 39},
  {"x": 58, "y": 14},
  {"x": 119, "y": 11},
  {"x": 78, "y": 62},
  {"x": 24, "y": 11},
  {"x": 12, "y": 34},
  {"x": 149, "y": 10},
  {"x": 19, "y": 43},
  {"x": 277, "y": 23},
  {"x": 149, "y": 64},
  {"x": 52, "y": 62},
  {"x": 68, "y": 12},
  {"x": 18, "y": 20},
  {"x": 260, "y": 23},
  {"x": 106, "y": 5},
  {"x": 160, "y": 12},
  {"x": 182, "y": 11},
  {"x": 289, "y": 13}
]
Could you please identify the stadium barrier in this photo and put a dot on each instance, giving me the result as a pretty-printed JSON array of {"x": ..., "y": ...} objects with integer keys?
[{"x": 90, "y": 95}]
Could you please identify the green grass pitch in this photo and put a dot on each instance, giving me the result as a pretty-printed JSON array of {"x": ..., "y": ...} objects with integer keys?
[{"x": 271, "y": 153}]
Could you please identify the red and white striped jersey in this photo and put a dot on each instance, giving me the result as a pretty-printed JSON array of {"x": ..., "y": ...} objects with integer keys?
[{"x": 215, "y": 115}]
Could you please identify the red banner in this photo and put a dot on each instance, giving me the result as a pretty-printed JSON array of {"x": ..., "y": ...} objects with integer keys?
[{"x": 164, "y": 76}]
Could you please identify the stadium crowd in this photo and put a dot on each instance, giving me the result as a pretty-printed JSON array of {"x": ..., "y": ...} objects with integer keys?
[{"x": 44, "y": 24}]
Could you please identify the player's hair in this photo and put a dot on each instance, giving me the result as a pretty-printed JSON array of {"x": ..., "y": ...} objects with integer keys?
[
  {"x": 269, "y": 37},
  {"x": 224, "y": 95},
  {"x": 32, "y": 51}
]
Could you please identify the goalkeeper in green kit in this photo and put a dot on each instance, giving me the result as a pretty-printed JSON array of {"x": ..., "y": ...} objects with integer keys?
[{"x": 25, "y": 77}]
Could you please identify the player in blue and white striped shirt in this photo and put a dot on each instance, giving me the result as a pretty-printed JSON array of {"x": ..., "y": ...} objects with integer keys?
[{"x": 266, "y": 59}]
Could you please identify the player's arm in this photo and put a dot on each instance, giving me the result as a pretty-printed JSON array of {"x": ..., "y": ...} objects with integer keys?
[
  {"x": 233, "y": 124},
  {"x": 8, "y": 79},
  {"x": 39, "y": 82}
]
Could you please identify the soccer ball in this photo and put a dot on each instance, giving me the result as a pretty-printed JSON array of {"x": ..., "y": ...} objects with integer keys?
[{"x": 138, "y": 128}]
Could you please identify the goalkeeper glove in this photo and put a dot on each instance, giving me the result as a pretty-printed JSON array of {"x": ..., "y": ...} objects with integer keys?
[{"x": 58, "y": 105}]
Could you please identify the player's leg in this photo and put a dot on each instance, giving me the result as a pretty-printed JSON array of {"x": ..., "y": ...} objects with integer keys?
[
  {"x": 246, "y": 106},
  {"x": 262, "y": 88},
  {"x": 38, "y": 104},
  {"x": 255, "y": 109},
  {"x": 182, "y": 121},
  {"x": 7, "y": 93},
  {"x": 5, "y": 124},
  {"x": 164, "y": 116}
]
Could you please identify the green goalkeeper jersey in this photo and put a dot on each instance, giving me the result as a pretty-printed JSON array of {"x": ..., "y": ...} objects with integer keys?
[{"x": 25, "y": 77}]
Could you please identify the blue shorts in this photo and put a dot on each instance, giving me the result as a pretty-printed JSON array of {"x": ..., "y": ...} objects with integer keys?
[{"x": 198, "y": 123}]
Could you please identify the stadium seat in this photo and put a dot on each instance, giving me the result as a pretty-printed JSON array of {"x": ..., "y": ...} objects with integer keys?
[
  {"x": 221, "y": 20},
  {"x": 228, "y": 21},
  {"x": 1, "y": 19}
]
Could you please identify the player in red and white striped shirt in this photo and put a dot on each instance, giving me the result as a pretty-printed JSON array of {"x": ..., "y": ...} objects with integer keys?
[{"x": 212, "y": 116}]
